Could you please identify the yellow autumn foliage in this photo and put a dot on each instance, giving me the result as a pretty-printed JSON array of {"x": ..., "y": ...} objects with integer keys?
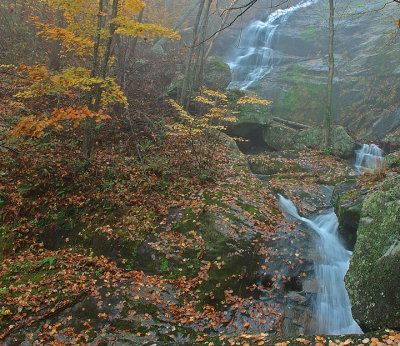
[
  {"x": 81, "y": 17},
  {"x": 253, "y": 100},
  {"x": 217, "y": 116}
]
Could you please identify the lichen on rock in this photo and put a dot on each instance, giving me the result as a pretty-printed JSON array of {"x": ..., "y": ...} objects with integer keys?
[
  {"x": 341, "y": 144},
  {"x": 373, "y": 278}
]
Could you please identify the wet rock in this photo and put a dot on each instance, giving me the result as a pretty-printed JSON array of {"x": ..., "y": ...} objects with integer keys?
[
  {"x": 364, "y": 69},
  {"x": 298, "y": 320},
  {"x": 298, "y": 298},
  {"x": 374, "y": 277},
  {"x": 347, "y": 201},
  {"x": 311, "y": 286}
]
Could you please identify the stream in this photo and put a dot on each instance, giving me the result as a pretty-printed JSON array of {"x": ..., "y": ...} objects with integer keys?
[{"x": 331, "y": 305}]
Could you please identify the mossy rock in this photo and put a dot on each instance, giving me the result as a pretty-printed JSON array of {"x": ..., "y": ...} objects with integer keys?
[
  {"x": 373, "y": 278},
  {"x": 269, "y": 164},
  {"x": 279, "y": 137},
  {"x": 249, "y": 113},
  {"x": 347, "y": 201},
  {"x": 217, "y": 74},
  {"x": 340, "y": 143},
  {"x": 393, "y": 160}
]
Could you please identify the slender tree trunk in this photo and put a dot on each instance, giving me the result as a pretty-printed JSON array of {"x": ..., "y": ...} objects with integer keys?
[
  {"x": 161, "y": 41},
  {"x": 196, "y": 79},
  {"x": 328, "y": 115},
  {"x": 89, "y": 124},
  {"x": 135, "y": 40},
  {"x": 185, "y": 83},
  {"x": 54, "y": 59},
  {"x": 126, "y": 50},
  {"x": 131, "y": 50},
  {"x": 95, "y": 104},
  {"x": 202, "y": 49},
  {"x": 221, "y": 27},
  {"x": 95, "y": 62}
]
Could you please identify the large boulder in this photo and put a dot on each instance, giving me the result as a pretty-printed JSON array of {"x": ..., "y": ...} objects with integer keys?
[
  {"x": 279, "y": 137},
  {"x": 217, "y": 74},
  {"x": 248, "y": 113},
  {"x": 373, "y": 279},
  {"x": 347, "y": 200},
  {"x": 252, "y": 119},
  {"x": 341, "y": 144},
  {"x": 392, "y": 160}
]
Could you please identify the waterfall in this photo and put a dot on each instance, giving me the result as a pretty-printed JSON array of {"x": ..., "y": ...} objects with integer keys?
[
  {"x": 254, "y": 58},
  {"x": 368, "y": 158},
  {"x": 331, "y": 305}
]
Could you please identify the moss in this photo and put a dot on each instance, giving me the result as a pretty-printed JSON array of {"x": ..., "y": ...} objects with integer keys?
[
  {"x": 248, "y": 113},
  {"x": 374, "y": 270},
  {"x": 341, "y": 144},
  {"x": 6, "y": 241},
  {"x": 308, "y": 34},
  {"x": 393, "y": 160},
  {"x": 267, "y": 165}
]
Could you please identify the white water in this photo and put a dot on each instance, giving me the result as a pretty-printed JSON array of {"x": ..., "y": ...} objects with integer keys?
[
  {"x": 368, "y": 158},
  {"x": 331, "y": 305},
  {"x": 254, "y": 58}
]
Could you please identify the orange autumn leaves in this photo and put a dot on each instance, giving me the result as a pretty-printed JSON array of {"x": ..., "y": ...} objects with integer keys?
[
  {"x": 84, "y": 85},
  {"x": 35, "y": 127},
  {"x": 69, "y": 88}
]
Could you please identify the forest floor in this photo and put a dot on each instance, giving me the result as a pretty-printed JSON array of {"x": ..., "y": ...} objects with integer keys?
[{"x": 121, "y": 249}]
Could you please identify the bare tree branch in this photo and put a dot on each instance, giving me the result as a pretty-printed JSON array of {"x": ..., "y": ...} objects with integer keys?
[{"x": 244, "y": 9}]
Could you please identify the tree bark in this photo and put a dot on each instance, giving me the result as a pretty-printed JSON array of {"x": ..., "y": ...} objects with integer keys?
[
  {"x": 132, "y": 50},
  {"x": 328, "y": 115},
  {"x": 185, "y": 83},
  {"x": 54, "y": 59},
  {"x": 195, "y": 79},
  {"x": 95, "y": 102},
  {"x": 95, "y": 62},
  {"x": 220, "y": 29}
]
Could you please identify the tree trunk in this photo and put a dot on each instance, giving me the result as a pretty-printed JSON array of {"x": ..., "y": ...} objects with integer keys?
[
  {"x": 95, "y": 102},
  {"x": 328, "y": 115},
  {"x": 54, "y": 59},
  {"x": 161, "y": 41},
  {"x": 185, "y": 82},
  {"x": 221, "y": 27},
  {"x": 202, "y": 49}
]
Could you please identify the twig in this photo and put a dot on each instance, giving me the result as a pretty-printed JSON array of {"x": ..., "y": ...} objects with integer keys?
[{"x": 13, "y": 150}]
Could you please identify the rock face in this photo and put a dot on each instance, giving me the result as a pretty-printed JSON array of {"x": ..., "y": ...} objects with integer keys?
[
  {"x": 373, "y": 279},
  {"x": 365, "y": 85},
  {"x": 279, "y": 137},
  {"x": 217, "y": 74},
  {"x": 341, "y": 143},
  {"x": 347, "y": 202},
  {"x": 261, "y": 130}
]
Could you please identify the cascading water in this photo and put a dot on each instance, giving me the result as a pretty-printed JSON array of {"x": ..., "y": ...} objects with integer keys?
[
  {"x": 331, "y": 305},
  {"x": 369, "y": 158},
  {"x": 254, "y": 58}
]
